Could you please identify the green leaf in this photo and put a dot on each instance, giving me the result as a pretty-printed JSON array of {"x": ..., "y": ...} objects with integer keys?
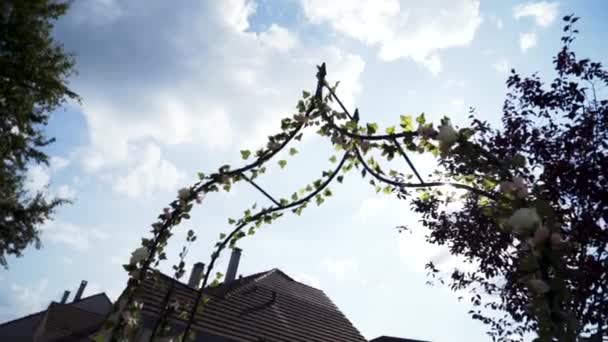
[
  {"x": 390, "y": 130},
  {"x": 319, "y": 200},
  {"x": 406, "y": 123},
  {"x": 292, "y": 151},
  {"x": 283, "y": 201},
  {"x": 317, "y": 183},
  {"x": 231, "y": 221},
  {"x": 333, "y": 159},
  {"x": 387, "y": 190},
  {"x": 301, "y": 106},
  {"x": 201, "y": 176},
  {"x": 282, "y": 163},
  {"x": 372, "y": 128},
  {"x": 425, "y": 196},
  {"x": 305, "y": 94},
  {"x": 340, "y": 179},
  {"x": 327, "y": 192},
  {"x": 421, "y": 119},
  {"x": 245, "y": 154}
]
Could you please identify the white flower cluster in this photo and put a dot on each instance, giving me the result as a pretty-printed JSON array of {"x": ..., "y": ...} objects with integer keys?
[
  {"x": 139, "y": 254},
  {"x": 447, "y": 134}
]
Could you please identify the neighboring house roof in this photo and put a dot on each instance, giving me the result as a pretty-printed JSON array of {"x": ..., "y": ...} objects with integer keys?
[
  {"x": 263, "y": 307},
  {"x": 63, "y": 321},
  {"x": 59, "y": 322},
  {"x": 393, "y": 339},
  {"x": 268, "y": 306}
]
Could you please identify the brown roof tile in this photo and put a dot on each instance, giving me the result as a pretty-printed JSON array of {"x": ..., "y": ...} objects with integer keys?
[{"x": 268, "y": 305}]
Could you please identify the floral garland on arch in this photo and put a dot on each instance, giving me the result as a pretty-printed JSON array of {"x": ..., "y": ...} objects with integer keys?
[{"x": 525, "y": 218}]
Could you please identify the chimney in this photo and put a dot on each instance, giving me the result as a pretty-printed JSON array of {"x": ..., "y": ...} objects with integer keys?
[
  {"x": 66, "y": 294},
  {"x": 233, "y": 265},
  {"x": 78, "y": 295},
  {"x": 196, "y": 275}
]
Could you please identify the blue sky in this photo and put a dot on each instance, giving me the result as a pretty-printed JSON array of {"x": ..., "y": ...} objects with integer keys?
[{"x": 172, "y": 89}]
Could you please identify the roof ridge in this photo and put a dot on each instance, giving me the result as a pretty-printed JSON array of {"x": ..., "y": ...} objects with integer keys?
[
  {"x": 63, "y": 305},
  {"x": 89, "y": 297},
  {"x": 277, "y": 270}
]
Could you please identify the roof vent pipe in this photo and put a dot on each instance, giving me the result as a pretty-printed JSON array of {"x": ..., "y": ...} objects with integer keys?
[
  {"x": 80, "y": 291},
  {"x": 233, "y": 265},
  {"x": 66, "y": 294},
  {"x": 196, "y": 275}
]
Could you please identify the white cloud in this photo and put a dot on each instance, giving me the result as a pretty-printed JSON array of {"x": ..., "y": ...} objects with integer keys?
[
  {"x": 236, "y": 13},
  {"x": 497, "y": 21},
  {"x": 454, "y": 83},
  {"x": 38, "y": 176},
  {"x": 458, "y": 105},
  {"x": 149, "y": 174},
  {"x": 412, "y": 29},
  {"x": 415, "y": 252},
  {"x": 544, "y": 12},
  {"x": 185, "y": 89},
  {"x": 501, "y": 65},
  {"x": 413, "y": 249},
  {"x": 37, "y": 179},
  {"x": 58, "y": 163},
  {"x": 71, "y": 235},
  {"x": 307, "y": 279},
  {"x": 278, "y": 38},
  {"x": 67, "y": 260},
  {"x": 340, "y": 268},
  {"x": 65, "y": 191},
  {"x": 27, "y": 300},
  {"x": 527, "y": 41},
  {"x": 370, "y": 208}
]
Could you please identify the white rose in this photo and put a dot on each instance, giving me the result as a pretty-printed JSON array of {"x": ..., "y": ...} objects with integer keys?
[
  {"x": 523, "y": 219},
  {"x": 447, "y": 134},
  {"x": 139, "y": 254}
]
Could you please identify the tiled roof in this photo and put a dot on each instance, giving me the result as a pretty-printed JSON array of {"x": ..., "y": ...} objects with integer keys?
[
  {"x": 268, "y": 306},
  {"x": 64, "y": 320},
  {"x": 393, "y": 339},
  {"x": 59, "y": 322}
]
